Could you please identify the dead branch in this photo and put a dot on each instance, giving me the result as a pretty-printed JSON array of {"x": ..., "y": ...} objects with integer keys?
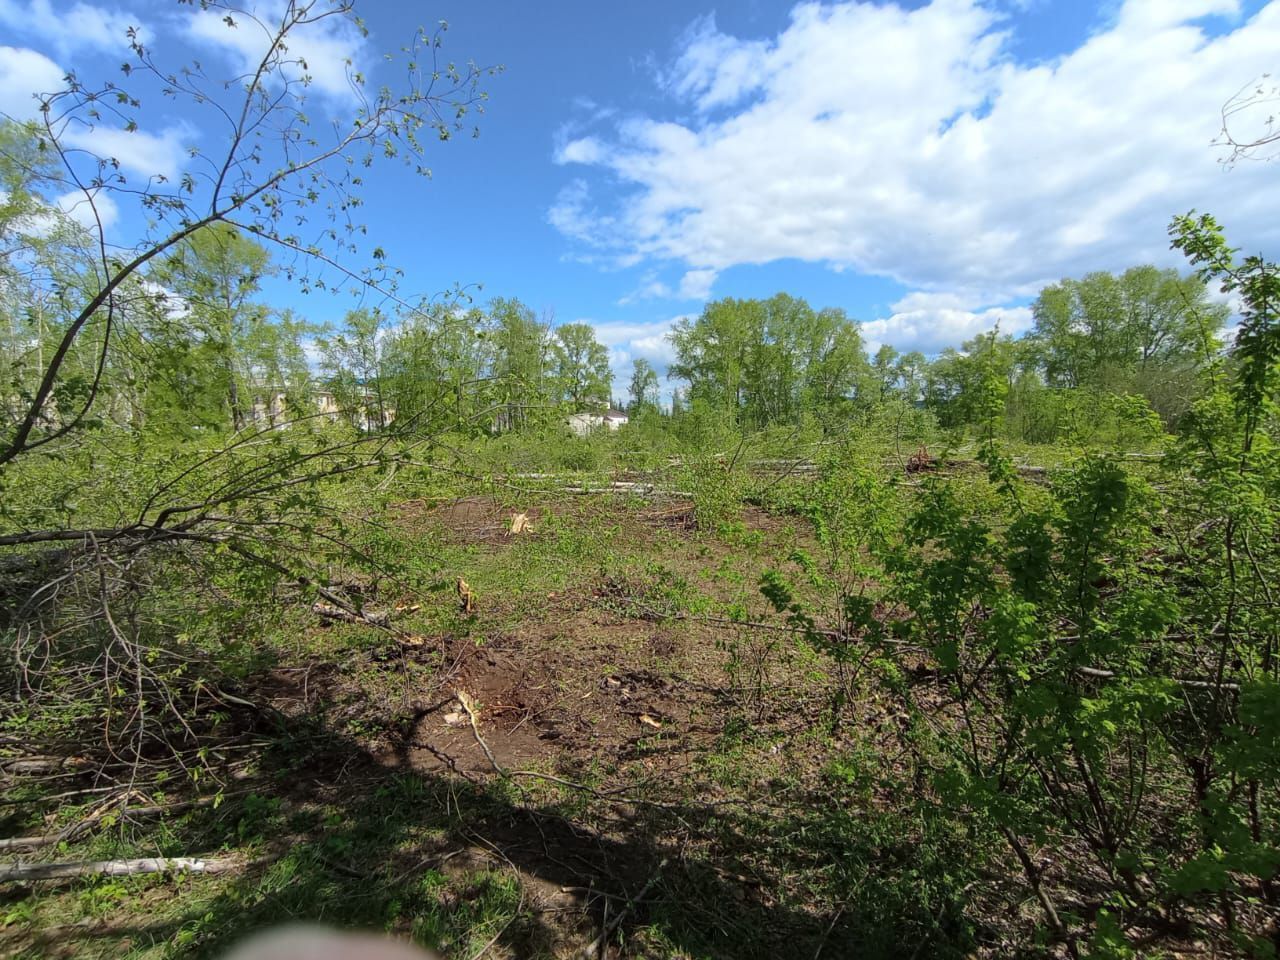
[
  {"x": 1102, "y": 674},
  {"x": 593, "y": 948},
  {"x": 27, "y": 872},
  {"x": 469, "y": 707},
  {"x": 373, "y": 618},
  {"x": 81, "y": 827},
  {"x": 38, "y": 765}
]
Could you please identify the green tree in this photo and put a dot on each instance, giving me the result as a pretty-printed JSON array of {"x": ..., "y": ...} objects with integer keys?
[
  {"x": 954, "y": 382},
  {"x": 910, "y": 370},
  {"x": 1103, "y": 330},
  {"x": 835, "y": 362},
  {"x": 353, "y": 367},
  {"x": 46, "y": 258},
  {"x": 216, "y": 273},
  {"x": 643, "y": 390},
  {"x": 712, "y": 353},
  {"x": 436, "y": 366},
  {"x": 521, "y": 364},
  {"x": 768, "y": 361},
  {"x": 884, "y": 372},
  {"x": 270, "y": 168},
  {"x": 582, "y": 371}
]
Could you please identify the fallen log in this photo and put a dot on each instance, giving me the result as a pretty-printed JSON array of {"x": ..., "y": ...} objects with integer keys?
[
  {"x": 25, "y": 872},
  {"x": 39, "y": 765},
  {"x": 375, "y": 618}
]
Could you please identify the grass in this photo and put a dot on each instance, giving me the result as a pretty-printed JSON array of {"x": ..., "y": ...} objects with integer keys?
[{"x": 772, "y": 839}]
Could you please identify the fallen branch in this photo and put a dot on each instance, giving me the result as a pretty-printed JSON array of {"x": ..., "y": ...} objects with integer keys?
[
  {"x": 81, "y": 827},
  {"x": 1102, "y": 674},
  {"x": 374, "y": 618},
  {"x": 593, "y": 948},
  {"x": 71, "y": 831},
  {"x": 39, "y": 765},
  {"x": 26, "y": 872},
  {"x": 475, "y": 728}
]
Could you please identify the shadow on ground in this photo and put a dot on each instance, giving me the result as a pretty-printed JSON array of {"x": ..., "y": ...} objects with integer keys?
[{"x": 485, "y": 868}]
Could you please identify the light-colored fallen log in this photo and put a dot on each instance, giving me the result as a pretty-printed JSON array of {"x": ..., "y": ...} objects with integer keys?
[
  {"x": 1102, "y": 674},
  {"x": 575, "y": 484},
  {"x": 38, "y": 765},
  {"x": 376, "y": 618},
  {"x": 30, "y": 843},
  {"x": 641, "y": 489},
  {"x": 26, "y": 872}
]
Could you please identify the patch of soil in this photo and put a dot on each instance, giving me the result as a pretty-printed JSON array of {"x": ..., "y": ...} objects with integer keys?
[
  {"x": 562, "y": 696},
  {"x": 467, "y": 520}
]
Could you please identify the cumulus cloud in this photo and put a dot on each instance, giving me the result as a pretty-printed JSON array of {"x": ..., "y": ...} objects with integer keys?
[
  {"x": 647, "y": 339},
  {"x": 910, "y": 144},
  {"x": 102, "y": 211},
  {"x": 138, "y": 152},
  {"x": 329, "y": 47},
  {"x": 696, "y": 284},
  {"x": 715, "y": 69},
  {"x": 23, "y": 74},
  {"x": 930, "y": 329},
  {"x": 923, "y": 300},
  {"x": 583, "y": 150},
  {"x": 72, "y": 29},
  {"x": 650, "y": 288},
  {"x": 573, "y": 216}
]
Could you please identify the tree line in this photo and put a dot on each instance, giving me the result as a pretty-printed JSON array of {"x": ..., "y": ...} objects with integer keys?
[
  {"x": 198, "y": 349},
  {"x": 1142, "y": 333}
]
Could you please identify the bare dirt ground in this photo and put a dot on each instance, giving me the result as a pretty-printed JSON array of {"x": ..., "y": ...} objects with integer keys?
[{"x": 606, "y": 671}]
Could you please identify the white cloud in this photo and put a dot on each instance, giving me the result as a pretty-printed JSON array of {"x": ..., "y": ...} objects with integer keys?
[
  {"x": 1154, "y": 14},
  {"x": 927, "y": 300},
  {"x": 174, "y": 305},
  {"x": 583, "y": 150},
  {"x": 102, "y": 212},
  {"x": 645, "y": 339},
  {"x": 655, "y": 348},
  {"x": 714, "y": 69},
  {"x": 23, "y": 74},
  {"x": 909, "y": 144},
  {"x": 929, "y": 329},
  {"x": 139, "y": 152},
  {"x": 571, "y": 215},
  {"x": 70, "y": 30},
  {"x": 650, "y": 288},
  {"x": 696, "y": 284},
  {"x": 330, "y": 48}
]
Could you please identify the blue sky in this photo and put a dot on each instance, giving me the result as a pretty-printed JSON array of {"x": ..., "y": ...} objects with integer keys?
[{"x": 926, "y": 166}]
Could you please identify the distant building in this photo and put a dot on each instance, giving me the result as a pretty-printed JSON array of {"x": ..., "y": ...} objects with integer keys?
[
  {"x": 271, "y": 408},
  {"x": 583, "y": 423}
]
